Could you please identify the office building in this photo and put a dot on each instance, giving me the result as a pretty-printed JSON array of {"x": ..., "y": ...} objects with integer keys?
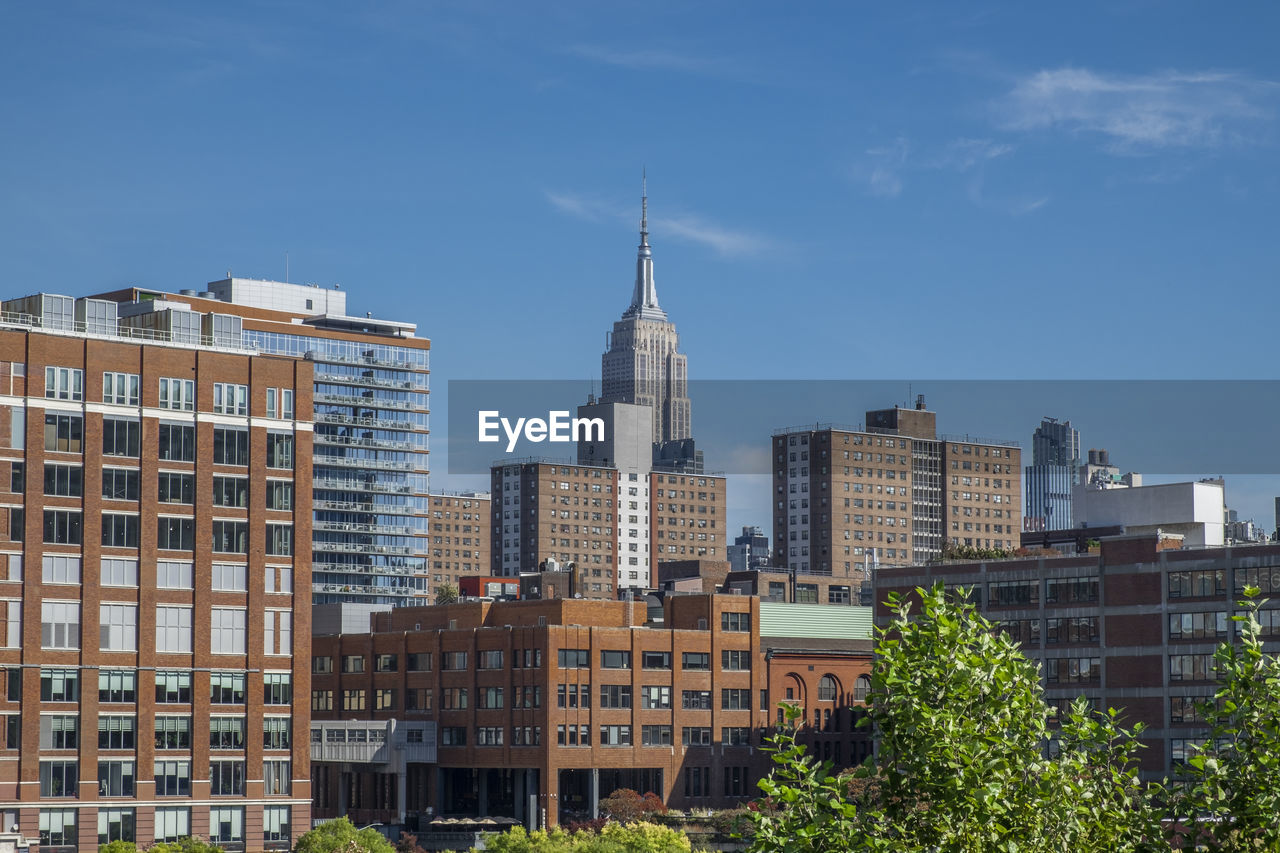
[
  {"x": 1055, "y": 463},
  {"x": 155, "y": 607},
  {"x": 643, "y": 364},
  {"x": 370, "y": 532},
  {"x": 847, "y": 499},
  {"x": 750, "y": 550},
  {"x": 460, "y": 536},
  {"x": 536, "y": 710},
  {"x": 1132, "y": 627}
]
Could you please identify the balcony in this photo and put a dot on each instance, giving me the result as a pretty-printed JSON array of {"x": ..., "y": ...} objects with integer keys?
[
  {"x": 362, "y": 506},
  {"x": 371, "y": 382},
  {"x": 369, "y": 402},
  {"x": 374, "y": 443},
  {"x": 354, "y": 548},
  {"x": 380, "y": 571},
  {"x": 367, "y": 359},
  {"x": 376, "y": 529},
  {"x": 357, "y": 589},
  {"x": 375, "y": 486},
  {"x": 320, "y": 460},
  {"x": 343, "y": 419}
]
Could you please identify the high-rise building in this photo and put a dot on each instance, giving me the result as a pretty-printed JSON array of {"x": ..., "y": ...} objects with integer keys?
[
  {"x": 370, "y": 536},
  {"x": 156, "y": 614},
  {"x": 644, "y": 365},
  {"x": 849, "y": 498},
  {"x": 1055, "y": 460},
  {"x": 459, "y": 536},
  {"x": 750, "y": 550}
]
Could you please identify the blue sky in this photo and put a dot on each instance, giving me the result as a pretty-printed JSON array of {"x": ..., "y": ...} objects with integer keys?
[{"x": 836, "y": 190}]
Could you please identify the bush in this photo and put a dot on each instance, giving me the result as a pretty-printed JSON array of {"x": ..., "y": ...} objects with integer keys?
[{"x": 341, "y": 836}]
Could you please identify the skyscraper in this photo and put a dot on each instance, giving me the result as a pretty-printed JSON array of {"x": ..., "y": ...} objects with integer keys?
[
  {"x": 643, "y": 364},
  {"x": 1055, "y": 461}
]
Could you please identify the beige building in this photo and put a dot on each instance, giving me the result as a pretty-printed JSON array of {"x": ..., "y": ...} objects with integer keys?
[
  {"x": 459, "y": 536},
  {"x": 688, "y": 520}
]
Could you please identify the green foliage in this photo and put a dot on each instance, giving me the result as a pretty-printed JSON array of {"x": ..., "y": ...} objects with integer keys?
[
  {"x": 951, "y": 551},
  {"x": 1232, "y": 786},
  {"x": 447, "y": 593},
  {"x": 962, "y": 727},
  {"x": 613, "y": 838},
  {"x": 118, "y": 847},
  {"x": 341, "y": 836},
  {"x": 185, "y": 845}
]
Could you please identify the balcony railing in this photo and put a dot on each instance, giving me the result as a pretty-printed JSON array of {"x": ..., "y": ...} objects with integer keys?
[
  {"x": 320, "y": 460},
  {"x": 362, "y": 507},
  {"x": 374, "y": 443},
  {"x": 355, "y": 548},
  {"x": 370, "y": 382},
  {"x": 370, "y": 402},
  {"x": 356, "y": 527},
  {"x": 376, "y": 487},
  {"x": 357, "y": 589}
]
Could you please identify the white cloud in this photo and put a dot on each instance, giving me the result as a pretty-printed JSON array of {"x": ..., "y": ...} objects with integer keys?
[
  {"x": 686, "y": 227},
  {"x": 883, "y": 172},
  {"x": 963, "y": 154},
  {"x": 1160, "y": 110}
]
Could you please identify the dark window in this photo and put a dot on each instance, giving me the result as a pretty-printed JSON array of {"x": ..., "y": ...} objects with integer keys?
[
  {"x": 230, "y": 491},
  {"x": 176, "y": 488},
  {"x": 230, "y": 446},
  {"x": 119, "y": 530},
  {"x": 120, "y": 484},
  {"x": 231, "y": 537},
  {"x": 121, "y": 437},
  {"x": 175, "y": 534},
  {"x": 65, "y": 433},
  {"x": 62, "y": 527},
  {"x": 177, "y": 443},
  {"x": 64, "y": 480}
]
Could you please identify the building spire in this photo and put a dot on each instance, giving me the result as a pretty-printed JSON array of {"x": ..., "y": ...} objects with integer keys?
[{"x": 644, "y": 299}]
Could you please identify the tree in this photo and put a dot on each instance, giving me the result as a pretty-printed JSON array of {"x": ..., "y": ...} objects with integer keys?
[
  {"x": 341, "y": 836},
  {"x": 613, "y": 838},
  {"x": 962, "y": 762},
  {"x": 623, "y": 804},
  {"x": 1230, "y": 795},
  {"x": 447, "y": 593},
  {"x": 118, "y": 846},
  {"x": 185, "y": 845}
]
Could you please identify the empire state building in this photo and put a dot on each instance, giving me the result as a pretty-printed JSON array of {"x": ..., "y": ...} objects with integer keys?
[{"x": 643, "y": 364}]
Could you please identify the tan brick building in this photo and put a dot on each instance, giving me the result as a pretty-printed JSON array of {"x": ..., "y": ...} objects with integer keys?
[
  {"x": 562, "y": 511},
  {"x": 889, "y": 493},
  {"x": 155, "y": 582},
  {"x": 460, "y": 536},
  {"x": 688, "y": 520}
]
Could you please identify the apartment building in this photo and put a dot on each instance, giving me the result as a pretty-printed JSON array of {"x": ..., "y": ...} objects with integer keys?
[
  {"x": 370, "y": 529},
  {"x": 460, "y": 536},
  {"x": 889, "y": 493},
  {"x": 1132, "y": 627},
  {"x": 688, "y": 521},
  {"x": 536, "y": 710},
  {"x": 154, "y": 536},
  {"x": 562, "y": 511}
]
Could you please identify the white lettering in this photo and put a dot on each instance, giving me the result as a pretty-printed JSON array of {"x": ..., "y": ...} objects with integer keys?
[
  {"x": 488, "y": 423},
  {"x": 557, "y": 427},
  {"x": 559, "y": 424},
  {"x": 513, "y": 435},
  {"x": 582, "y": 429},
  {"x": 535, "y": 430}
]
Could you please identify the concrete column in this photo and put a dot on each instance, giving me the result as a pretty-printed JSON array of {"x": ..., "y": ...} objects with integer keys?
[
  {"x": 594, "y": 794},
  {"x": 402, "y": 793},
  {"x": 342, "y": 791},
  {"x": 482, "y": 786}
]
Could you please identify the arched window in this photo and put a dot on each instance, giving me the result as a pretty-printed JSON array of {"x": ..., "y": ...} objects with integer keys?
[
  {"x": 827, "y": 689},
  {"x": 861, "y": 688}
]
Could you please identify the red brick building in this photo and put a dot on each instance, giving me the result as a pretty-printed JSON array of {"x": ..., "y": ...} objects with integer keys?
[
  {"x": 1133, "y": 627},
  {"x": 155, "y": 531}
]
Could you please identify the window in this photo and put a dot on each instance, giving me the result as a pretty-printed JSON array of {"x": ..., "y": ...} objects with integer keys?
[
  {"x": 279, "y": 540},
  {"x": 490, "y": 697},
  {"x": 117, "y": 732},
  {"x": 173, "y": 687},
  {"x": 178, "y": 394},
  {"x": 453, "y": 661},
  {"x": 655, "y": 697},
  {"x": 837, "y": 595},
  {"x": 118, "y": 572},
  {"x": 10, "y": 624},
  {"x": 861, "y": 688},
  {"x": 322, "y": 700},
  {"x": 59, "y": 731},
  {"x": 659, "y": 735},
  {"x": 59, "y": 685},
  {"x": 733, "y": 699},
  {"x": 279, "y": 494},
  {"x": 17, "y": 524},
  {"x": 177, "y": 442},
  {"x": 60, "y": 624},
  {"x": 695, "y": 736},
  {"x": 453, "y": 736},
  {"x": 230, "y": 446},
  {"x": 63, "y": 480},
  {"x": 118, "y": 627},
  {"x": 695, "y": 700},
  {"x": 279, "y": 450},
  {"x": 1072, "y": 670},
  {"x": 231, "y": 491},
  {"x": 173, "y": 628},
  {"x": 1075, "y": 629},
  {"x": 59, "y": 778},
  {"x": 226, "y": 825},
  {"x": 230, "y": 577},
  {"x": 322, "y": 664},
  {"x": 827, "y": 689},
  {"x": 735, "y": 736},
  {"x": 226, "y": 688},
  {"x": 735, "y": 622},
  {"x": 655, "y": 660},
  {"x": 384, "y": 699},
  {"x": 227, "y": 778},
  {"x": 276, "y": 777},
  {"x": 520, "y": 735},
  {"x": 577, "y": 735},
  {"x": 1013, "y": 593},
  {"x": 1266, "y": 579},
  {"x": 117, "y": 685},
  {"x": 453, "y": 698},
  {"x": 489, "y": 659},
  {"x": 226, "y": 733},
  {"x": 120, "y": 437},
  {"x": 278, "y": 578},
  {"x": 388, "y": 663},
  {"x": 1199, "y": 667},
  {"x": 806, "y": 593},
  {"x": 579, "y": 696},
  {"x": 173, "y": 776},
  {"x": 173, "y": 733},
  {"x": 1188, "y": 709},
  {"x": 613, "y": 696},
  {"x": 65, "y": 433},
  {"x": 1070, "y": 590},
  {"x": 175, "y": 533},
  {"x": 120, "y": 388},
  {"x": 1198, "y": 626},
  {"x": 573, "y": 659},
  {"x": 418, "y": 662},
  {"x": 56, "y": 568},
  {"x": 696, "y": 660},
  {"x": 528, "y": 696},
  {"x": 230, "y": 399},
  {"x": 175, "y": 488},
  {"x": 119, "y": 530},
  {"x": 115, "y": 778},
  {"x": 697, "y": 781},
  {"x": 58, "y": 828},
  {"x": 231, "y": 537},
  {"x": 353, "y": 700},
  {"x": 62, "y": 527},
  {"x": 735, "y": 659},
  {"x": 353, "y": 663},
  {"x": 278, "y": 630},
  {"x": 116, "y": 825},
  {"x": 489, "y": 736},
  {"x": 610, "y": 659},
  {"x": 736, "y": 780},
  {"x": 172, "y": 823},
  {"x": 63, "y": 383}
]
